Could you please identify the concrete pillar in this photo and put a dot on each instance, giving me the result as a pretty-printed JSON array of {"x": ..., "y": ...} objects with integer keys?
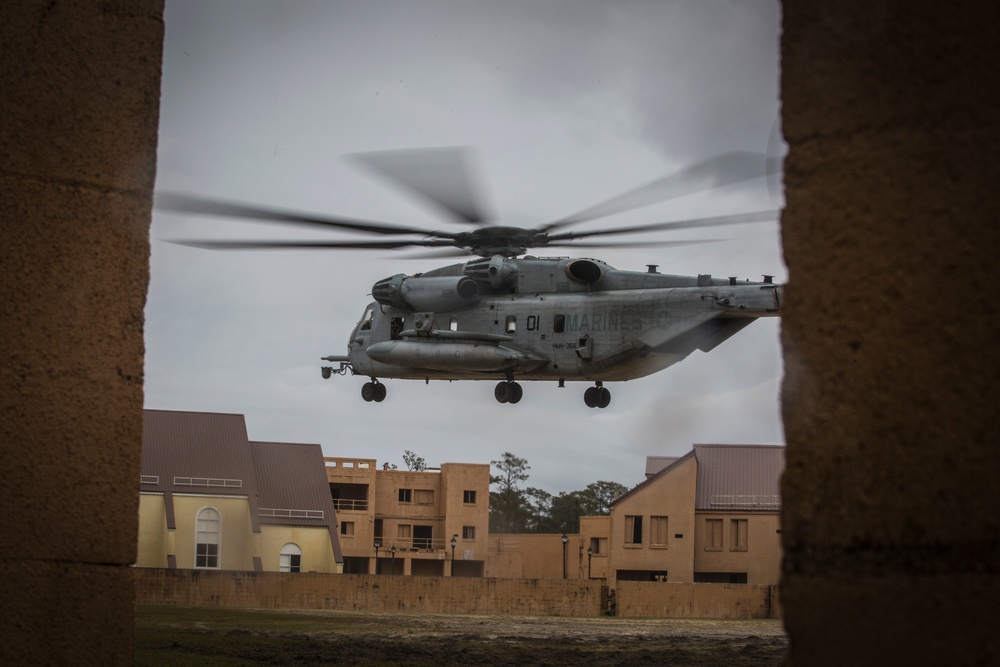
[
  {"x": 78, "y": 121},
  {"x": 890, "y": 395}
]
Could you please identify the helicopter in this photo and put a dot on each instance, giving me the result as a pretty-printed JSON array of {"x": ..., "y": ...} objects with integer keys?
[{"x": 509, "y": 316}]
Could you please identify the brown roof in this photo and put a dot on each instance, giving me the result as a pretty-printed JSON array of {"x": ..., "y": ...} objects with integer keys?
[
  {"x": 730, "y": 477},
  {"x": 655, "y": 464},
  {"x": 739, "y": 477},
  {"x": 209, "y": 453},
  {"x": 197, "y": 452},
  {"x": 294, "y": 490}
]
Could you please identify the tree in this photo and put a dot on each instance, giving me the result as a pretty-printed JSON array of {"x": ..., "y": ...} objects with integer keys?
[
  {"x": 540, "y": 506},
  {"x": 599, "y": 496},
  {"x": 566, "y": 512},
  {"x": 509, "y": 509},
  {"x": 414, "y": 462}
]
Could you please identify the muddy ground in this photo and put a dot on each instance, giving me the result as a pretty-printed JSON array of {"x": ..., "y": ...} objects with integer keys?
[{"x": 208, "y": 636}]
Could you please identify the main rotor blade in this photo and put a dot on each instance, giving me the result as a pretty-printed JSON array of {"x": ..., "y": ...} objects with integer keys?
[
  {"x": 716, "y": 221},
  {"x": 306, "y": 245},
  {"x": 725, "y": 169},
  {"x": 440, "y": 176},
  {"x": 188, "y": 204},
  {"x": 638, "y": 244}
]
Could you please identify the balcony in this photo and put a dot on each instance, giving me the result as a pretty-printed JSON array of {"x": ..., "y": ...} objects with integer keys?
[
  {"x": 350, "y": 505},
  {"x": 414, "y": 544}
]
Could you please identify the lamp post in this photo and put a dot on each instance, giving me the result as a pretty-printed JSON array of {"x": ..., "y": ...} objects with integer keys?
[
  {"x": 378, "y": 544},
  {"x": 393, "y": 561},
  {"x": 454, "y": 541},
  {"x": 565, "y": 541},
  {"x": 590, "y": 553}
]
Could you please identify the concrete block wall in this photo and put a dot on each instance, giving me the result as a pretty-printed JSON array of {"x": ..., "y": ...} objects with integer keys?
[
  {"x": 638, "y": 599},
  {"x": 79, "y": 110},
  {"x": 890, "y": 393},
  {"x": 369, "y": 593}
]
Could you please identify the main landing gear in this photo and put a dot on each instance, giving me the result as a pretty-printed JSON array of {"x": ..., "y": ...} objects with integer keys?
[
  {"x": 508, "y": 391},
  {"x": 373, "y": 391},
  {"x": 597, "y": 397}
]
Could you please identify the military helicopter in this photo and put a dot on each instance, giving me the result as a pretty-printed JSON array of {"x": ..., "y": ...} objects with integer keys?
[{"x": 511, "y": 317}]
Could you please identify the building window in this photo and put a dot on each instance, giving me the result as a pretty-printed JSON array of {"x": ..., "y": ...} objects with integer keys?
[
  {"x": 423, "y": 497},
  {"x": 598, "y": 546},
  {"x": 468, "y": 532},
  {"x": 633, "y": 530},
  {"x": 291, "y": 558},
  {"x": 347, "y": 528},
  {"x": 404, "y": 532},
  {"x": 406, "y": 495},
  {"x": 738, "y": 535},
  {"x": 469, "y": 497},
  {"x": 206, "y": 552},
  {"x": 713, "y": 534},
  {"x": 658, "y": 531}
]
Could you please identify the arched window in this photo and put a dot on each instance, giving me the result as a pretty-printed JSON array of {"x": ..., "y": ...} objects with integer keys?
[
  {"x": 206, "y": 553},
  {"x": 291, "y": 558}
]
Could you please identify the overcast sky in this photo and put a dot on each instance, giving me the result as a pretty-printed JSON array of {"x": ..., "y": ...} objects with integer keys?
[{"x": 566, "y": 102}]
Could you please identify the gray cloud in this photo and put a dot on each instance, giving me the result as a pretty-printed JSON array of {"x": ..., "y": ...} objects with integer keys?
[{"x": 568, "y": 103}]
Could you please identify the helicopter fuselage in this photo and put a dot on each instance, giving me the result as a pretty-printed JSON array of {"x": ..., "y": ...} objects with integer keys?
[{"x": 556, "y": 319}]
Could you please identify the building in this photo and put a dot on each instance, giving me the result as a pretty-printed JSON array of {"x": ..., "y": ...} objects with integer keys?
[
  {"x": 212, "y": 499},
  {"x": 712, "y": 516},
  {"x": 430, "y": 523}
]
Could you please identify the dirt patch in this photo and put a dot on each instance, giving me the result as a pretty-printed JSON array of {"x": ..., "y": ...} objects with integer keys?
[{"x": 200, "y": 636}]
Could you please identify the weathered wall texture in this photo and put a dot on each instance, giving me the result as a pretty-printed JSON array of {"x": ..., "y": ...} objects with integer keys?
[
  {"x": 891, "y": 534},
  {"x": 638, "y": 599},
  {"x": 79, "y": 114},
  {"x": 369, "y": 593},
  {"x": 447, "y": 595}
]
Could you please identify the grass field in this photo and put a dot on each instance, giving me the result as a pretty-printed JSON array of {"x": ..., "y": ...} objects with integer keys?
[{"x": 179, "y": 636}]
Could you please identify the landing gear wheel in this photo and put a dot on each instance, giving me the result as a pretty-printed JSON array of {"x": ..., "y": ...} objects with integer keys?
[
  {"x": 368, "y": 391},
  {"x": 597, "y": 397},
  {"x": 515, "y": 392},
  {"x": 604, "y": 399},
  {"x": 373, "y": 391},
  {"x": 502, "y": 392}
]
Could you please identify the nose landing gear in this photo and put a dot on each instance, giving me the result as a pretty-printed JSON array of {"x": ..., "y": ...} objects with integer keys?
[{"x": 598, "y": 396}]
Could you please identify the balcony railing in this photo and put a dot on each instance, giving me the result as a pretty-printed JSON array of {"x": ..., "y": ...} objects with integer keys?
[
  {"x": 350, "y": 505},
  {"x": 290, "y": 513},
  {"x": 419, "y": 544},
  {"x": 746, "y": 501}
]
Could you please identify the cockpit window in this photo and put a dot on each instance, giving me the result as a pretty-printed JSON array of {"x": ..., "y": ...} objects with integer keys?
[{"x": 366, "y": 320}]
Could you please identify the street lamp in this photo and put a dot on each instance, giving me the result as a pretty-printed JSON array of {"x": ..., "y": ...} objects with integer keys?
[
  {"x": 378, "y": 544},
  {"x": 565, "y": 541},
  {"x": 454, "y": 541},
  {"x": 590, "y": 553},
  {"x": 393, "y": 562}
]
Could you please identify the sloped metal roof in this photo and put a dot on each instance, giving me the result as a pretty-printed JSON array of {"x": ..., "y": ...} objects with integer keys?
[
  {"x": 199, "y": 453},
  {"x": 739, "y": 477},
  {"x": 294, "y": 490},
  {"x": 655, "y": 464},
  {"x": 209, "y": 453},
  {"x": 730, "y": 477}
]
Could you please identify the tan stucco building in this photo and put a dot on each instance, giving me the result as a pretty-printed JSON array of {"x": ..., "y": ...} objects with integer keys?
[
  {"x": 430, "y": 523},
  {"x": 212, "y": 499},
  {"x": 710, "y": 516}
]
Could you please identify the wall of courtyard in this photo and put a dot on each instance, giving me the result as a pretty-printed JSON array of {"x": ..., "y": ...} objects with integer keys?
[{"x": 447, "y": 595}]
